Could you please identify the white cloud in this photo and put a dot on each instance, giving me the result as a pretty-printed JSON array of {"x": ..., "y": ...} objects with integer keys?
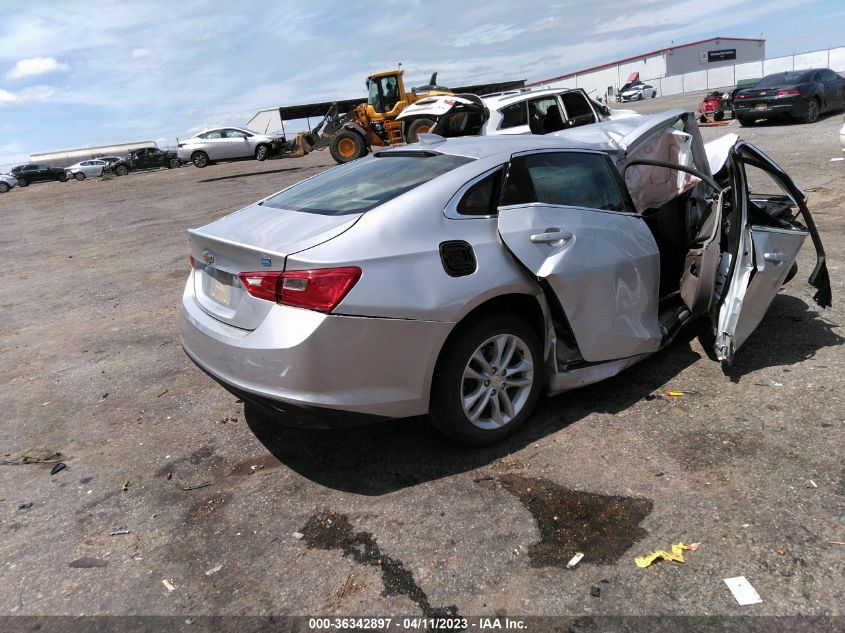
[
  {"x": 36, "y": 66},
  {"x": 140, "y": 53},
  {"x": 27, "y": 95}
]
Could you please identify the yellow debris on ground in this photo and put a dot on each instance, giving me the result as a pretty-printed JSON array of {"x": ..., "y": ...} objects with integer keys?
[{"x": 677, "y": 554}]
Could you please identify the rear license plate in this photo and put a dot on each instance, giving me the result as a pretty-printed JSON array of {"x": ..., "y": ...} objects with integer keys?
[
  {"x": 221, "y": 287},
  {"x": 761, "y": 106}
]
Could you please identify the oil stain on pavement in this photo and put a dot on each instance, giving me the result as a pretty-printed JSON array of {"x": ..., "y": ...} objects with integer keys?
[
  {"x": 328, "y": 530},
  {"x": 602, "y": 527}
]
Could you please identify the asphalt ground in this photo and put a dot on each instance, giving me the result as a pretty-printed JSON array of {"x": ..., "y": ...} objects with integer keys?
[{"x": 392, "y": 519}]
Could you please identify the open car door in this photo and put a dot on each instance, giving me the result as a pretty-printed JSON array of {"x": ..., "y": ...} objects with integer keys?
[{"x": 762, "y": 237}]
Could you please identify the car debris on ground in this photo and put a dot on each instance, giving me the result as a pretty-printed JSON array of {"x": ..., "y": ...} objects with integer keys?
[
  {"x": 677, "y": 555},
  {"x": 119, "y": 531},
  {"x": 743, "y": 591}
]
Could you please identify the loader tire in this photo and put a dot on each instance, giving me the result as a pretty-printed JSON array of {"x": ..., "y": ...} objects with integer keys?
[
  {"x": 347, "y": 146},
  {"x": 417, "y": 127}
]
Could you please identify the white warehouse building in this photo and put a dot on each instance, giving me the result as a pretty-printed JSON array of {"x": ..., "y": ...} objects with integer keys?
[{"x": 672, "y": 70}]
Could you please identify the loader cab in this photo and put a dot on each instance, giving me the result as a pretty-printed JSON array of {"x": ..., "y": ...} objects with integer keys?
[{"x": 385, "y": 92}]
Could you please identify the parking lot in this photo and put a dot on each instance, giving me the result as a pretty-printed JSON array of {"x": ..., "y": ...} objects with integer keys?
[{"x": 242, "y": 516}]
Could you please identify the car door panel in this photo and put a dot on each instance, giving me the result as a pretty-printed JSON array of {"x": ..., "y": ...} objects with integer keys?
[
  {"x": 763, "y": 255},
  {"x": 604, "y": 268}
]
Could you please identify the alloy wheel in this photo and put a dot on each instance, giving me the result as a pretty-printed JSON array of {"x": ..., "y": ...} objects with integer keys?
[{"x": 497, "y": 381}]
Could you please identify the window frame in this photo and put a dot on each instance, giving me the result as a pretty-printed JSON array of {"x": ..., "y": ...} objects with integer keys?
[
  {"x": 627, "y": 203},
  {"x": 451, "y": 209}
]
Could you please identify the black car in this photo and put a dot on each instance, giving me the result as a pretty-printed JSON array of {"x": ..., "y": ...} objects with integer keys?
[
  {"x": 151, "y": 157},
  {"x": 799, "y": 94},
  {"x": 145, "y": 158},
  {"x": 36, "y": 172}
]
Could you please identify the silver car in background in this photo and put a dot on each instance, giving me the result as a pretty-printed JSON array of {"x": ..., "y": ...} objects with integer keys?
[
  {"x": 7, "y": 182},
  {"x": 87, "y": 168},
  {"x": 461, "y": 277},
  {"x": 228, "y": 143}
]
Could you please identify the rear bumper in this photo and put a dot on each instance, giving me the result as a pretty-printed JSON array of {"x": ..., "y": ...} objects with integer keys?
[
  {"x": 314, "y": 362},
  {"x": 774, "y": 107}
]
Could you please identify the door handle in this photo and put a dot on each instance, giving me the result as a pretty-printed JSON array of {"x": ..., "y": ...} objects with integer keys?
[
  {"x": 551, "y": 235},
  {"x": 776, "y": 258}
]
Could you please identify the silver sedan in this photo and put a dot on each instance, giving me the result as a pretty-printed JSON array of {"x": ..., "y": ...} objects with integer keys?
[
  {"x": 87, "y": 168},
  {"x": 462, "y": 277},
  {"x": 227, "y": 143},
  {"x": 7, "y": 182}
]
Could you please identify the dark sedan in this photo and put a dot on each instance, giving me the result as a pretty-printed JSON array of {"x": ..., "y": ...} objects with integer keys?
[{"x": 799, "y": 94}]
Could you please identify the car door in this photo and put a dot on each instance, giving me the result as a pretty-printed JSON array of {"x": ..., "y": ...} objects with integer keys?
[
  {"x": 763, "y": 241},
  {"x": 834, "y": 88},
  {"x": 95, "y": 167},
  {"x": 565, "y": 218},
  {"x": 577, "y": 109},
  {"x": 213, "y": 144},
  {"x": 237, "y": 144}
]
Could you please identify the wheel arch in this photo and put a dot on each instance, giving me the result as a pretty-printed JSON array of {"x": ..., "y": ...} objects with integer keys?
[{"x": 533, "y": 308}]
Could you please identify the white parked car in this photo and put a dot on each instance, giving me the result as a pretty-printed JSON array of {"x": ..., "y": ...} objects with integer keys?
[
  {"x": 87, "y": 168},
  {"x": 228, "y": 143},
  {"x": 7, "y": 182},
  {"x": 638, "y": 92},
  {"x": 514, "y": 112}
]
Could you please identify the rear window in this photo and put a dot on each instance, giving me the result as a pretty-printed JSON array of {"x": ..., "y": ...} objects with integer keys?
[
  {"x": 365, "y": 184},
  {"x": 781, "y": 79}
]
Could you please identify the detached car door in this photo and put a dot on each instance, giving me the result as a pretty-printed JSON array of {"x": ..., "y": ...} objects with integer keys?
[
  {"x": 769, "y": 223},
  {"x": 564, "y": 217}
]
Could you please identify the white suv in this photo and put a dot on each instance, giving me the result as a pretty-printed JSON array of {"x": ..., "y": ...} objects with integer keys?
[
  {"x": 228, "y": 143},
  {"x": 514, "y": 112}
]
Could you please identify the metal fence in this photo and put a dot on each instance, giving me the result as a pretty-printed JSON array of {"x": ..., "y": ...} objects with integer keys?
[{"x": 726, "y": 76}]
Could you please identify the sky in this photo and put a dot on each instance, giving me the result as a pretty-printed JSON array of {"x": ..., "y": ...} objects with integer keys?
[{"x": 86, "y": 73}]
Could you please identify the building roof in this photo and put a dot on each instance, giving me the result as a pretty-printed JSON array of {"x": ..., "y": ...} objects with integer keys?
[{"x": 659, "y": 51}]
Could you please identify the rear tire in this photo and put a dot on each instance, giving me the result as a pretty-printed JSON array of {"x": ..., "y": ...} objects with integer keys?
[
  {"x": 744, "y": 121},
  {"x": 121, "y": 170},
  {"x": 174, "y": 163},
  {"x": 23, "y": 182},
  {"x": 473, "y": 400},
  {"x": 813, "y": 111},
  {"x": 199, "y": 159},
  {"x": 417, "y": 127},
  {"x": 79, "y": 176},
  {"x": 62, "y": 177},
  {"x": 262, "y": 152},
  {"x": 654, "y": 94},
  {"x": 347, "y": 146}
]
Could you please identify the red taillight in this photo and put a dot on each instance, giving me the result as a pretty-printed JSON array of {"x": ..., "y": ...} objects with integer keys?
[
  {"x": 787, "y": 93},
  {"x": 264, "y": 285},
  {"x": 321, "y": 289}
]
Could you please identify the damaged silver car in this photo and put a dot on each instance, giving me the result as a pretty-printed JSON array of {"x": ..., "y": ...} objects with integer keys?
[{"x": 461, "y": 277}]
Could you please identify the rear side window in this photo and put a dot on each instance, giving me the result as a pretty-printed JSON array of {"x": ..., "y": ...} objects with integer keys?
[
  {"x": 571, "y": 179},
  {"x": 483, "y": 197},
  {"x": 513, "y": 115},
  {"x": 365, "y": 184}
]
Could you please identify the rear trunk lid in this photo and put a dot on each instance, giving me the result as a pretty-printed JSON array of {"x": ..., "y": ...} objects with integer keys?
[{"x": 257, "y": 238}]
